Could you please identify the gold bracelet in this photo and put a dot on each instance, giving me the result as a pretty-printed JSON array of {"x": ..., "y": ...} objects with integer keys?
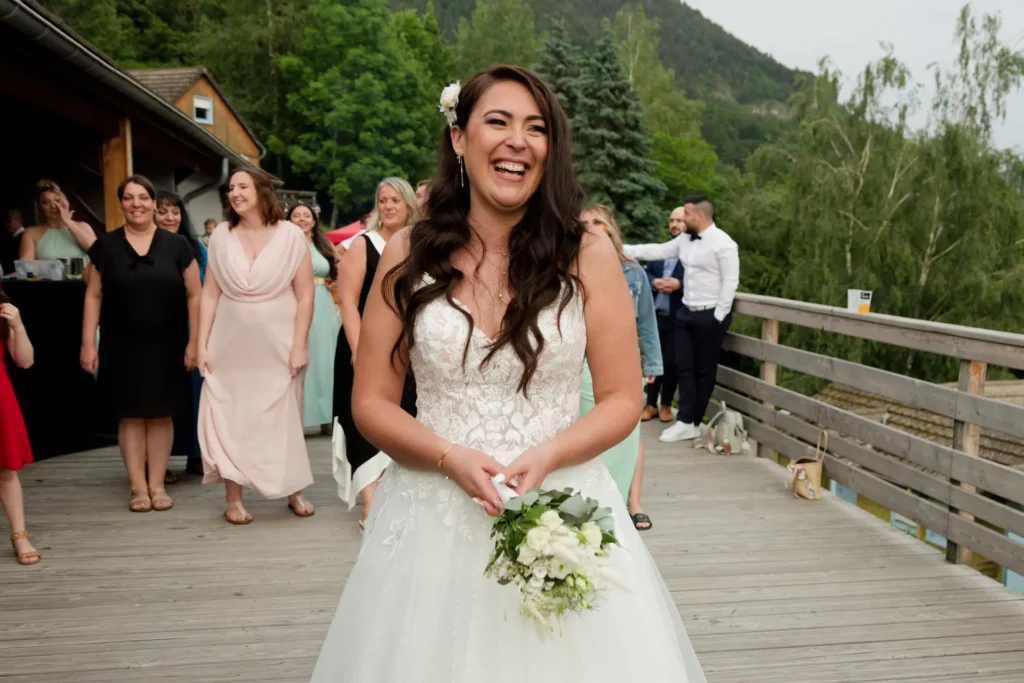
[{"x": 440, "y": 463}]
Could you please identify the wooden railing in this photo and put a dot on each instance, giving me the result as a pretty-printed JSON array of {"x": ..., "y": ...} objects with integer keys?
[{"x": 948, "y": 490}]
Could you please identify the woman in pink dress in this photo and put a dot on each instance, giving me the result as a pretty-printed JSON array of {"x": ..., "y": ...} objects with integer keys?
[{"x": 253, "y": 326}]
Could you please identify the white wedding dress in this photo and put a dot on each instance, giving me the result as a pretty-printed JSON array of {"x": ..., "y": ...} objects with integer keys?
[{"x": 417, "y": 607}]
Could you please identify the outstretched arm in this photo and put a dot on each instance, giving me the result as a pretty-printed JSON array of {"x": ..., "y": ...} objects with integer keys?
[{"x": 655, "y": 252}]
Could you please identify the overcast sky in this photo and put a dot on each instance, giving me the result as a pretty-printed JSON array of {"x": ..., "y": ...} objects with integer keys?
[{"x": 799, "y": 32}]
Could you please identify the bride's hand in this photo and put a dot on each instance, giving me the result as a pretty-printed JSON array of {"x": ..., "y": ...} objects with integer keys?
[
  {"x": 472, "y": 471},
  {"x": 531, "y": 469}
]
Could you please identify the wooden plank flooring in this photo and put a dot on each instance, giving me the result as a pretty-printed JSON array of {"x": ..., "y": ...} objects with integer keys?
[{"x": 772, "y": 589}]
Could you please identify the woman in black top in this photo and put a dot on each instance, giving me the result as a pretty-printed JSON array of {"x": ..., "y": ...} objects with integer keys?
[
  {"x": 395, "y": 208},
  {"x": 145, "y": 295}
]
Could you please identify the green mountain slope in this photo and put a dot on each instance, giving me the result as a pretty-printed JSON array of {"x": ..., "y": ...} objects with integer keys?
[{"x": 709, "y": 61}]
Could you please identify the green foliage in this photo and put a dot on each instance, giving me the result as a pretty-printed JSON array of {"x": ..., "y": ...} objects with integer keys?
[
  {"x": 365, "y": 105},
  {"x": 560, "y": 64},
  {"x": 928, "y": 221},
  {"x": 423, "y": 37},
  {"x": 666, "y": 108},
  {"x": 499, "y": 32},
  {"x": 708, "y": 59},
  {"x": 612, "y": 146}
]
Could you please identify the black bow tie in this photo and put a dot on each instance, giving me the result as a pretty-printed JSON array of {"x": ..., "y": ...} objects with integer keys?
[{"x": 694, "y": 236}]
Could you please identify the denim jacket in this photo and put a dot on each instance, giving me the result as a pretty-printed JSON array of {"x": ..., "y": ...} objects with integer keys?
[{"x": 646, "y": 319}]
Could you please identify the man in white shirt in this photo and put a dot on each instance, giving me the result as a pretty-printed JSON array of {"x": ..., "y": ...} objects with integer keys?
[{"x": 711, "y": 273}]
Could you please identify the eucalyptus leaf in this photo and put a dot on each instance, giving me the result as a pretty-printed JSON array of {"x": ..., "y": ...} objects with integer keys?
[
  {"x": 530, "y": 497},
  {"x": 600, "y": 513},
  {"x": 574, "y": 506},
  {"x": 606, "y": 523},
  {"x": 515, "y": 504}
]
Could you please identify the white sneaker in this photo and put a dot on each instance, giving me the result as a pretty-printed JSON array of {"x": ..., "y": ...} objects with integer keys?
[{"x": 680, "y": 431}]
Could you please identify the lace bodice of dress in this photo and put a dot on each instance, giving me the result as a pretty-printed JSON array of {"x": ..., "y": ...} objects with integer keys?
[{"x": 480, "y": 406}]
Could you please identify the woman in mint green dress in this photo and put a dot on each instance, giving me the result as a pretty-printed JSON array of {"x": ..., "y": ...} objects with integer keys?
[
  {"x": 318, "y": 388},
  {"x": 624, "y": 460},
  {"x": 59, "y": 236}
]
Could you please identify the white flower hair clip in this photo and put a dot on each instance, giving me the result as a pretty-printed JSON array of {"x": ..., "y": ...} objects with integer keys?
[{"x": 449, "y": 101}]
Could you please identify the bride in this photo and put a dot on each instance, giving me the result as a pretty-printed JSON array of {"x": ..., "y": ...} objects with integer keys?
[{"x": 494, "y": 300}]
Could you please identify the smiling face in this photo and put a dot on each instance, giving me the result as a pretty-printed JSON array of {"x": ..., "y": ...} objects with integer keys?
[
  {"x": 168, "y": 216},
  {"x": 504, "y": 146},
  {"x": 394, "y": 212},
  {"x": 242, "y": 193},
  {"x": 137, "y": 205},
  {"x": 303, "y": 217}
]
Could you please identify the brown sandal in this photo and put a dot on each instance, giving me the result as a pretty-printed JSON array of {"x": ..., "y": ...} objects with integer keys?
[
  {"x": 140, "y": 502},
  {"x": 160, "y": 494},
  {"x": 241, "y": 508},
  {"x": 31, "y": 557},
  {"x": 298, "y": 503}
]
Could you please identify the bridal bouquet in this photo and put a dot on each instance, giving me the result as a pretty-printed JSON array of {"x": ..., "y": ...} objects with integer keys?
[{"x": 552, "y": 545}]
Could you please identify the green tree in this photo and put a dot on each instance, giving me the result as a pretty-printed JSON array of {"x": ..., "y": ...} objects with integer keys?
[
  {"x": 242, "y": 46},
  {"x": 666, "y": 108},
  {"x": 613, "y": 146},
  {"x": 932, "y": 221},
  {"x": 499, "y": 32},
  {"x": 366, "y": 108},
  {"x": 423, "y": 37},
  {"x": 685, "y": 165},
  {"x": 561, "y": 65}
]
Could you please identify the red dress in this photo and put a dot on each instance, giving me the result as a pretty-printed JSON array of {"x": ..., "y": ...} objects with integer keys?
[{"x": 15, "y": 451}]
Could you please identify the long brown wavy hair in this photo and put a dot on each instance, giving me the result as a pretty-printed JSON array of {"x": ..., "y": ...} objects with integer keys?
[{"x": 543, "y": 247}]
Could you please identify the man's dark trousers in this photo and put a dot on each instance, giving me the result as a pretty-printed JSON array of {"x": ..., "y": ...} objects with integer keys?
[{"x": 698, "y": 343}]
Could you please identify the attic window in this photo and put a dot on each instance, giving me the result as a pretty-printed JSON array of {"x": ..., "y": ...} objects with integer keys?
[{"x": 202, "y": 109}]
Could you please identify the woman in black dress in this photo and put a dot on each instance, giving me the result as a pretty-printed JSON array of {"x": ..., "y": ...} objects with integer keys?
[
  {"x": 358, "y": 472},
  {"x": 145, "y": 295}
]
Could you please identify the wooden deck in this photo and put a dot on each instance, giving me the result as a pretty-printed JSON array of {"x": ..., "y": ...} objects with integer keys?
[{"x": 772, "y": 589}]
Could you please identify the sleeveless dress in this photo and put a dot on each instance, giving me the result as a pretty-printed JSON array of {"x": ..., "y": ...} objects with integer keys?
[
  {"x": 144, "y": 317},
  {"x": 250, "y": 422},
  {"x": 417, "y": 607},
  {"x": 56, "y": 244},
  {"x": 15, "y": 451},
  {"x": 318, "y": 387},
  {"x": 356, "y": 462}
]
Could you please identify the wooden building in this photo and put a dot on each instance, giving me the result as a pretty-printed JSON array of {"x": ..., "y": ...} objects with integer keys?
[{"x": 75, "y": 116}]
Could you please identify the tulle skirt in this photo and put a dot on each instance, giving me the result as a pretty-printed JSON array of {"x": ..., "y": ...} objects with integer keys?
[{"x": 417, "y": 606}]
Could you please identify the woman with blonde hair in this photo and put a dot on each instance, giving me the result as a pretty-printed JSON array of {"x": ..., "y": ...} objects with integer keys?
[
  {"x": 625, "y": 461},
  {"x": 59, "y": 235},
  {"x": 357, "y": 463}
]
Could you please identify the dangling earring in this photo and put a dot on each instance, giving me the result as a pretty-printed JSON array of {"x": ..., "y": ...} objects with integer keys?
[{"x": 462, "y": 178}]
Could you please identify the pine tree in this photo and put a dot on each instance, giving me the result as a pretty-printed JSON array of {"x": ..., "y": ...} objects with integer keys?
[
  {"x": 613, "y": 146},
  {"x": 560, "y": 65}
]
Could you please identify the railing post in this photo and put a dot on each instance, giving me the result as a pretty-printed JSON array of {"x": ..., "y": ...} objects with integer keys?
[
  {"x": 770, "y": 335},
  {"x": 966, "y": 438}
]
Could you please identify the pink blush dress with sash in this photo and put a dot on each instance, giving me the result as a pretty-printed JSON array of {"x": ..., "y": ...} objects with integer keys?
[{"x": 250, "y": 409}]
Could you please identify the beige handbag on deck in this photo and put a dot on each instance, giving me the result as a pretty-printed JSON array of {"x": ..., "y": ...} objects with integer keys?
[{"x": 805, "y": 473}]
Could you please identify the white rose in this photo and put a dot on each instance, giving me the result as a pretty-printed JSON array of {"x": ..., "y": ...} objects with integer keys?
[
  {"x": 539, "y": 572},
  {"x": 527, "y": 555},
  {"x": 538, "y": 538},
  {"x": 550, "y": 519},
  {"x": 592, "y": 534}
]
